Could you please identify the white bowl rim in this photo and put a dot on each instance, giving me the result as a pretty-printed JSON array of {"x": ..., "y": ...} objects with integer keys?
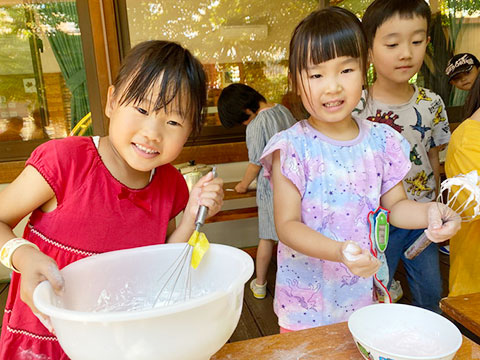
[
  {"x": 119, "y": 316},
  {"x": 400, "y": 355}
]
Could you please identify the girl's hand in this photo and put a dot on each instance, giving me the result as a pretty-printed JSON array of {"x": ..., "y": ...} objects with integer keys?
[
  {"x": 208, "y": 191},
  {"x": 36, "y": 267},
  {"x": 443, "y": 222},
  {"x": 359, "y": 262}
]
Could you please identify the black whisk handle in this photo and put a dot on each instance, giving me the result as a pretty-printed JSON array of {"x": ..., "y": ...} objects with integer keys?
[{"x": 417, "y": 247}]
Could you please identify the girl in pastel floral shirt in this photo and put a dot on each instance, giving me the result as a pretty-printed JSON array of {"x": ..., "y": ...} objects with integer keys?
[{"x": 328, "y": 172}]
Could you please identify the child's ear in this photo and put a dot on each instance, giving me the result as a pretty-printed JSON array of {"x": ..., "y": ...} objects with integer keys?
[
  {"x": 110, "y": 100},
  {"x": 428, "y": 40}
]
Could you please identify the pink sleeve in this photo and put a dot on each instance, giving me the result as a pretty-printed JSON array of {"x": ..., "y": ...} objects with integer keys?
[
  {"x": 291, "y": 163},
  {"x": 64, "y": 163},
  {"x": 46, "y": 161},
  {"x": 396, "y": 161}
]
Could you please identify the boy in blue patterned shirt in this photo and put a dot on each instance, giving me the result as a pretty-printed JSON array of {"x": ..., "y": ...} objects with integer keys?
[{"x": 397, "y": 34}]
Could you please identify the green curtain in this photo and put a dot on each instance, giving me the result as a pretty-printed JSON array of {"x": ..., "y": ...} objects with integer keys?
[{"x": 60, "y": 19}]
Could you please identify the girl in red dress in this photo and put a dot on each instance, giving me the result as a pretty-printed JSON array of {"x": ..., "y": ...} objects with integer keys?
[{"x": 89, "y": 195}]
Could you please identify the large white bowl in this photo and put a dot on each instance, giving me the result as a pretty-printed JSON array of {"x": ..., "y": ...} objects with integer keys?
[
  {"x": 94, "y": 319},
  {"x": 403, "y": 332}
]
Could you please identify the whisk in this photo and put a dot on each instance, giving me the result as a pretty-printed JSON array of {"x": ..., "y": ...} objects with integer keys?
[
  {"x": 461, "y": 193},
  {"x": 178, "y": 283}
]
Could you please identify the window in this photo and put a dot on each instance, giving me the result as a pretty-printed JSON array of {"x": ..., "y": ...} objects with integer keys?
[
  {"x": 42, "y": 76},
  {"x": 237, "y": 41}
]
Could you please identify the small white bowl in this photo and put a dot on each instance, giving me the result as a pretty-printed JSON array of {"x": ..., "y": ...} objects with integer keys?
[{"x": 403, "y": 332}]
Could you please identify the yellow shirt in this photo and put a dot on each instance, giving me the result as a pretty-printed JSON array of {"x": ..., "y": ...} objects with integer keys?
[{"x": 463, "y": 156}]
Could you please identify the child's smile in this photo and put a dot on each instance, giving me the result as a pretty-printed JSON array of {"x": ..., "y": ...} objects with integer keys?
[
  {"x": 145, "y": 151},
  {"x": 333, "y": 105},
  {"x": 145, "y": 138},
  {"x": 331, "y": 90}
]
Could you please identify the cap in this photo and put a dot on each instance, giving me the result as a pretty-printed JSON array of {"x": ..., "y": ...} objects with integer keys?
[{"x": 460, "y": 63}]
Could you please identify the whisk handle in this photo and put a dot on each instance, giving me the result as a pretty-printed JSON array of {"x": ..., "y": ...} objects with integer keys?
[
  {"x": 417, "y": 247},
  {"x": 203, "y": 210},
  {"x": 201, "y": 215}
]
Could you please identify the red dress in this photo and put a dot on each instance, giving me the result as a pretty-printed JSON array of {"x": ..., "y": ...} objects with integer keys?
[{"x": 95, "y": 213}]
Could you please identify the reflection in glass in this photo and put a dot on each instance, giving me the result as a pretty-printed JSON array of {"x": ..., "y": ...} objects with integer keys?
[
  {"x": 237, "y": 41},
  {"x": 42, "y": 76}
]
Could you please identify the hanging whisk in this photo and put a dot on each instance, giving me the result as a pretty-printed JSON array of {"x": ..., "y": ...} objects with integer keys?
[
  {"x": 461, "y": 193},
  {"x": 177, "y": 285}
]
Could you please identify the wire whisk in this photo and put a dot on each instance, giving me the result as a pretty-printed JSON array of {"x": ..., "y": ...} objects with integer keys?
[
  {"x": 178, "y": 284},
  {"x": 460, "y": 193}
]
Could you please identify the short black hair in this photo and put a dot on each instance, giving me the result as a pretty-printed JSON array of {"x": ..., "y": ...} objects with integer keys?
[
  {"x": 234, "y": 100},
  {"x": 180, "y": 76},
  {"x": 380, "y": 11},
  {"x": 325, "y": 35}
]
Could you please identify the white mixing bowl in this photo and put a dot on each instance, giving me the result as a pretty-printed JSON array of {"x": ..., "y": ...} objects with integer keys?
[
  {"x": 94, "y": 319},
  {"x": 403, "y": 332}
]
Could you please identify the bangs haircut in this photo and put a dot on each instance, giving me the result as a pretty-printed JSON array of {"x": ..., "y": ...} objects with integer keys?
[
  {"x": 325, "y": 35},
  {"x": 380, "y": 11},
  {"x": 169, "y": 76}
]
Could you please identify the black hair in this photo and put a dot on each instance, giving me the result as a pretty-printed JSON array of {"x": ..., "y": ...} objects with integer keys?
[
  {"x": 325, "y": 35},
  {"x": 234, "y": 100},
  {"x": 179, "y": 75},
  {"x": 472, "y": 103},
  {"x": 380, "y": 11}
]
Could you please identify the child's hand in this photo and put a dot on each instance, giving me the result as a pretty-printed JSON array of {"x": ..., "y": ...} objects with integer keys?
[
  {"x": 359, "y": 262},
  {"x": 36, "y": 267},
  {"x": 241, "y": 187},
  {"x": 443, "y": 222},
  {"x": 207, "y": 191}
]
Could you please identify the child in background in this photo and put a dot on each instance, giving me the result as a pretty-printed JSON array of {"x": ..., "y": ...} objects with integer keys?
[
  {"x": 397, "y": 36},
  {"x": 463, "y": 156},
  {"x": 328, "y": 172},
  {"x": 241, "y": 104},
  {"x": 462, "y": 70},
  {"x": 92, "y": 195}
]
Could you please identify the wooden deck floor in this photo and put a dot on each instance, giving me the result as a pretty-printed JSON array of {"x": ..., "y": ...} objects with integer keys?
[{"x": 258, "y": 318}]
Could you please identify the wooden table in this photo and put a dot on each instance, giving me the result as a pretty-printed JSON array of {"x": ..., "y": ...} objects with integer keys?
[
  {"x": 323, "y": 343},
  {"x": 465, "y": 309}
]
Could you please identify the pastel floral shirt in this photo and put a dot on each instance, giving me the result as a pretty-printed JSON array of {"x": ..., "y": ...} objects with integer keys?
[{"x": 340, "y": 182}]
